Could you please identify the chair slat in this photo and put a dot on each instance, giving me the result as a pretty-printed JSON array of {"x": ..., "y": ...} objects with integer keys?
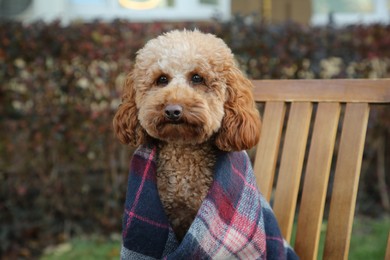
[
  {"x": 316, "y": 180},
  {"x": 291, "y": 165},
  {"x": 268, "y": 147},
  {"x": 346, "y": 180},
  {"x": 331, "y": 90}
]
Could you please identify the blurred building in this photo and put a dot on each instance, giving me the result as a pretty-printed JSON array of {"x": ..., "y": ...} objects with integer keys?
[
  {"x": 135, "y": 10},
  {"x": 315, "y": 12}
]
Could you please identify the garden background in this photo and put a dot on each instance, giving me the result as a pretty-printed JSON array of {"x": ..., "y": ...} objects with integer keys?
[{"x": 62, "y": 172}]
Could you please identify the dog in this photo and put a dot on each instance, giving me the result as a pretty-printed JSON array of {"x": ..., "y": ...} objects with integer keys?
[{"x": 187, "y": 93}]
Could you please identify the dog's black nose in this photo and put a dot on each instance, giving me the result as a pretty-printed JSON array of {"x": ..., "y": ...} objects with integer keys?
[{"x": 173, "y": 112}]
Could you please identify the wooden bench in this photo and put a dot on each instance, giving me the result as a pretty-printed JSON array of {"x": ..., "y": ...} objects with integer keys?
[{"x": 328, "y": 98}]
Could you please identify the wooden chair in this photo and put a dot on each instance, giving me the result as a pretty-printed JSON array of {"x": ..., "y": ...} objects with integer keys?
[{"x": 329, "y": 97}]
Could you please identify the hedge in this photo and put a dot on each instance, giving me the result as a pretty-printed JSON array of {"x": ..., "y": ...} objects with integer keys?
[{"x": 62, "y": 172}]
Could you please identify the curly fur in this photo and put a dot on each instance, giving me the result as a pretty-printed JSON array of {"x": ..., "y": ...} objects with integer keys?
[{"x": 218, "y": 112}]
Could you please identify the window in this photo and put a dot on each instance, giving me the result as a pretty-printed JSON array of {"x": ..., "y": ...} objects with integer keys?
[
  {"x": 146, "y": 4},
  {"x": 343, "y": 12},
  {"x": 343, "y": 6},
  {"x": 209, "y": 2},
  {"x": 88, "y": 2}
]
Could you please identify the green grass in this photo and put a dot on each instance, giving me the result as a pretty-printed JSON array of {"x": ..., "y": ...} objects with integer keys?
[
  {"x": 369, "y": 238},
  {"x": 88, "y": 248},
  {"x": 368, "y": 241}
]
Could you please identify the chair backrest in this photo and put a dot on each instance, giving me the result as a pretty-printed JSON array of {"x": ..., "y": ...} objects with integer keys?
[{"x": 348, "y": 100}]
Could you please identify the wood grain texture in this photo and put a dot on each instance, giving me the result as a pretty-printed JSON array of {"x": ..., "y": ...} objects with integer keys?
[
  {"x": 332, "y": 90},
  {"x": 346, "y": 181},
  {"x": 268, "y": 147},
  {"x": 357, "y": 94},
  {"x": 291, "y": 165},
  {"x": 316, "y": 180}
]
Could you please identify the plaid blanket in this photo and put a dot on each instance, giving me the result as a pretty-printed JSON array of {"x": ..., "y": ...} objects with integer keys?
[{"x": 233, "y": 222}]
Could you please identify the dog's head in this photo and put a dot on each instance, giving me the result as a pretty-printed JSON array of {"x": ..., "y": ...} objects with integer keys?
[{"x": 186, "y": 88}]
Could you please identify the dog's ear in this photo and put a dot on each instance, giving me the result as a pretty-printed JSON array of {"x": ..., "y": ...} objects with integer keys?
[
  {"x": 240, "y": 128},
  {"x": 126, "y": 125}
]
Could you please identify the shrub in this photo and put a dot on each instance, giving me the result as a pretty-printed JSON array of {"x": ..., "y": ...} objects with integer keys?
[{"x": 61, "y": 170}]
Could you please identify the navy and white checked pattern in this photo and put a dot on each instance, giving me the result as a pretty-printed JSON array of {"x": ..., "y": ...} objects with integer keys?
[{"x": 233, "y": 222}]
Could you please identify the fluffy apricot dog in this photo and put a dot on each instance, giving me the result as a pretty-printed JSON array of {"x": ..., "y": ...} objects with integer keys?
[{"x": 187, "y": 93}]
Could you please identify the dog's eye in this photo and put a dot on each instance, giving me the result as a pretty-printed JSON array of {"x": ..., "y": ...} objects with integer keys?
[
  {"x": 196, "y": 79},
  {"x": 162, "y": 80}
]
